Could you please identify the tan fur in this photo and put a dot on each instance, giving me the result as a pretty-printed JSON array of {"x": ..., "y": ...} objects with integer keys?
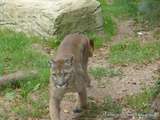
[
  {"x": 156, "y": 106},
  {"x": 73, "y": 53}
]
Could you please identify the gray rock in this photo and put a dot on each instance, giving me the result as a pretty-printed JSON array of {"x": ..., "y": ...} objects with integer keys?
[{"x": 51, "y": 17}]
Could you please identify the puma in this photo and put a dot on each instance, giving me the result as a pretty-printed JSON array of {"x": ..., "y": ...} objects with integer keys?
[
  {"x": 155, "y": 106},
  {"x": 69, "y": 72}
]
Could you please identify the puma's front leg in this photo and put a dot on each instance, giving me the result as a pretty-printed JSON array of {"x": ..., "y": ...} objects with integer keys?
[
  {"x": 54, "y": 109},
  {"x": 86, "y": 76},
  {"x": 54, "y": 101},
  {"x": 88, "y": 80}
]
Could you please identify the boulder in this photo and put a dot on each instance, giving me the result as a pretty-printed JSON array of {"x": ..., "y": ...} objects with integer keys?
[{"x": 47, "y": 18}]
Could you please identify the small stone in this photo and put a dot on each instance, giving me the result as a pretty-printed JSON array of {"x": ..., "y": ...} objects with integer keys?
[{"x": 65, "y": 111}]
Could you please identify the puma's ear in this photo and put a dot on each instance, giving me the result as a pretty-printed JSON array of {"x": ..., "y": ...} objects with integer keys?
[
  {"x": 51, "y": 63},
  {"x": 69, "y": 60}
]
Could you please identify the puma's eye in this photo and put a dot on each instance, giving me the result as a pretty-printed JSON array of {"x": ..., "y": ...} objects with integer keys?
[{"x": 63, "y": 74}]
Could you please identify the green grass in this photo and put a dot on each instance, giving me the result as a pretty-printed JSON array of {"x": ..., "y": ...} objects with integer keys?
[
  {"x": 108, "y": 108},
  {"x": 140, "y": 102},
  {"x": 139, "y": 10},
  {"x": 98, "y": 40},
  {"x": 100, "y": 72},
  {"x": 123, "y": 8},
  {"x": 118, "y": 9},
  {"x": 111, "y": 106},
  {"x": 156, "y": 88},
  {"x": 133, "y": 52},
  {"x": 110, "y": 27},
  {"x": 35, "y": 106},
  {"x": 53, "y": 42},
  {"x": 149, "y": 11},
  {"x": 17, "y": 54}
]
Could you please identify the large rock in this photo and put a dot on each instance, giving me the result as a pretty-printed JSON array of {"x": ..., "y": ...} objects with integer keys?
[{"x": 51, "y": 17}]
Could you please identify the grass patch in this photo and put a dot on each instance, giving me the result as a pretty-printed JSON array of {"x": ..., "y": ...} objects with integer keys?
[
  {"x": 110, "y": 27},
  {"x": 140, "y": 102},
  {"x": 111, "y": 106},
  {"x": 149, "y": 10},
  {"x": 108, "y": 108},
  {"x": 53, "y": 42},
  {"x": 100, "y": 72},
  {"x": 35, "y": 106},
  {"x": 117, "y": 9},
  {"x": 134, "y": 52},
  {"x": 156, "y": 88},
  {"x": 98, "y": 40},
  {"x": 123, "y": 8},
  {"x": 17, "y": 54}
]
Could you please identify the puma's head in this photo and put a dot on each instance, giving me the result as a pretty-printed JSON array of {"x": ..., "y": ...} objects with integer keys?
[{"x": 62, "y": 71}]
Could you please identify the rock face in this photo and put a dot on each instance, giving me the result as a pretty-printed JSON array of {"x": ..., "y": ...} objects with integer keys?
[{"x": 51, "y": 17}]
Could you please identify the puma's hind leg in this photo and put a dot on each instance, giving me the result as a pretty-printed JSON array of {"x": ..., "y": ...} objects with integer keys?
[
  {"x": 81, "y": 101},
  {"x": 88, "y": 80}
]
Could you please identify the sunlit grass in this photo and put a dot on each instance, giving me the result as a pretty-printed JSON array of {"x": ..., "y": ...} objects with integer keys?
[{"x": 134, "y": 52}]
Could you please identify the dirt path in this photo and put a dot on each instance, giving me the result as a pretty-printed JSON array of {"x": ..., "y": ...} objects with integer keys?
[{"x": 125, "y": 30}]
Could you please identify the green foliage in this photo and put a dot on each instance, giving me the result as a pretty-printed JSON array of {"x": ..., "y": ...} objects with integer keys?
[
  {"x": 33, "y": 106},
  {"x": 110, "y": 27},
  {"x": 123, "y": 8},
  {"x": 22, "y": 111},
  {"x": 109, "y": 24},
  {"x": 150, "y": 10},
  {"x": 98, "y": 40},
  {"x": 111, "y": 106},
  {"x": 10, "y": 95},
  {"x": 140, "y": 102},
  {"x": 140, "y": 10},
  {"x": 53, "y": 42},
  {"x": 100, "y": 72},
  {"x": 17, "y": 54},
  {"x": 156, "y": 88},
  {"x": 133, "y": 51}
]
